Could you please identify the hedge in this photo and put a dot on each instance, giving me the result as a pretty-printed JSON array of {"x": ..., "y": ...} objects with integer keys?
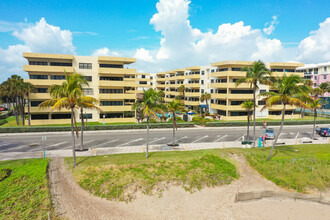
[
  {"x": 260, "y": 123},
  {"x": 92, "y": 127}
]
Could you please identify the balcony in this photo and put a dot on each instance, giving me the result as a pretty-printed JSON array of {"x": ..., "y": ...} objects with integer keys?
[
  {"x": 192, "y": 103},
  {"x": 218, "y": 96},
  {"x": 120, "y": 71},
  {"x": 193, "y": 76},
  {"x": 240, "y": 96},
  {"x": 40, "y": 96},
  {"x": 228, "y": 73},
  {"x": 117, "y": 96},
  {"x": 180, "y": 77},
  {"x": 161, "y": 79},
  {"x": 240, "y": 86},
  {"x": 143, "y": 85},
  {"x": 280, "y": 108},
  {"x": 45, "y": 110},
  {"x": 50, "y": 122},
  {"x": 110, "y": 83},
  {"x": 192, "y": 94},
  {"x": 219, "y": 107},
  {"x": 116, "y": 108},
  {"x": 219, "y": 85},
  {"x": 192, "y": 85},
  {"x": 161, "y": 86},
  {"x": 117, "y": 120},
  {"x": 48, "y": 69},
  {"x": 173, "y": 93},
  {"x": 44, "y": 82},
  {"x": 235, "y": 108},
  {"x": 168, "y": 99}
]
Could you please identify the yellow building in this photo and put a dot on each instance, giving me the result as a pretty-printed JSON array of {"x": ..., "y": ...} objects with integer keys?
[
  {"x": 109, "y": 79},
  {"x": 219, "y": 79}
]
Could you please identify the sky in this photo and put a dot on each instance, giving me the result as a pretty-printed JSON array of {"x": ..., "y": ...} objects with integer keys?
[{"x": 165, "y": 34}]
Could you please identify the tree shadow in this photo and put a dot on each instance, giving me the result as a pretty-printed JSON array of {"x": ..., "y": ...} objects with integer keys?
[{"x": 83, "y": 160}]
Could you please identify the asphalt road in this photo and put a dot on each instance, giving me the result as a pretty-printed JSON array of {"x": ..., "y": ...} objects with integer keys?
[{"x": 101, "y": 139}]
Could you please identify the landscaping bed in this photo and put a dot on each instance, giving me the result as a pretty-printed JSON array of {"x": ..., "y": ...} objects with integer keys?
[{"x": 24, "y": 193}]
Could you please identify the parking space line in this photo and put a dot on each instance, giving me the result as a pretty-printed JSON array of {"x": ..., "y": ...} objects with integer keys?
[
  {"x": 157, "y": 139},
  {"x": 220, "y": 138},
  {"x": 181, "y": 138},
  {"x": 77, "y": 144},
  {"x": 140, "y": 139},
  {"x": 240, "y": 138},
  {"x": 200, "y": 138},
  {"x": 53, "y": 145},
  {"x": 108, "y": 142},
  {"x": 297, "y": 135},
  {"x": 18, "y": 147}
]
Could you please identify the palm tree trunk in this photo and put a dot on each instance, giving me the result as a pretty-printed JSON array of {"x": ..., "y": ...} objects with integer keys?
[
  {"x": 279, "y": 133},
  {"x": 207, "y": 107},
  {"x": 23, "y": 111},
  {"x": 174, "y": 119},
  {"x": 16, "y": 111},
  {"x": 29, "y": 113},
  {"x": 315, "y": 115},
  {"x": 248, "y": 127},
  {"x": 254, "y": 116},
  {"x": 147, "y": 137},
  {"x": 82, "y": 130},
  {"x": 73, "y": 140}
]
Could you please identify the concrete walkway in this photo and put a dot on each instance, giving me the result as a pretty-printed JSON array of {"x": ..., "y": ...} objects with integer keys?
[{"x": 153, "y": 148}]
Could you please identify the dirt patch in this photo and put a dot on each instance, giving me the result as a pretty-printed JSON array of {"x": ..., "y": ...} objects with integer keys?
[{"x": 176, "y": 203}]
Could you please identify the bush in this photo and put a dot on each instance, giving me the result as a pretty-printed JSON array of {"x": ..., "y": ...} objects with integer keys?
[
  {"x": 200, "y": 120},
  {"x": 260, "y": 123},
  {"x": 178, "y": 119},
  {"x": 91, "y": 127},
  {"x": 3, "y": 121},
  {"x": 152, "y": 120},
  {"x": 4, "y": 173}
]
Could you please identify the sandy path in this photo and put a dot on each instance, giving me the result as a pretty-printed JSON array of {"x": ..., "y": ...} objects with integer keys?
[{"x": 209, "y": 203}]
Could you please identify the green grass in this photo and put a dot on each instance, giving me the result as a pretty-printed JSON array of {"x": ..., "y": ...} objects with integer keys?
[
  {"x": 11, "y": 122},
  {"x": 118, "y": 177},
  {"x": 25, "y": 194},
  {"x": 306, "y": 118}
]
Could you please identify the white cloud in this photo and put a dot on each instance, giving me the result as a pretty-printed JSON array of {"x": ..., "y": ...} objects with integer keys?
[
  {"x": 40, "y": 37},
  {"x": 104, "y": 52},
  {"x": 316, "y": 47},
  {"x": 269, "y": 28},
  {"x": 144, "y": 55}
]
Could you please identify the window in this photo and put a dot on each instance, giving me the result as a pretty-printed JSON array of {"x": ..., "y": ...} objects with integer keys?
[
  {"x": 234, "y": 80},
  {"x": 111, "y": 115},
  {"x": 61, "y": 116},
  {"x": 220, "y": 112},
  {"x": 39, "y": 63},
  {"x": 261, "y": 102},
  {"x": 88, "y": 78},
  {"x": 60, "y": 64},
  {"x": 236, "y": 69},
  {"x": 324, "y": 76},
  {"x": 279, "y": 112},
  {"x": 109, "y": 78},
  {"x": 202, "y": 82},
  {"x": 57, "y": 77},
  {"x": 42, "y": 90},
  {"x": 212, "y": 80},
  {"x": 222, "y": 91},
  {"x": 211, "y": 90},
  {"x": 38, "y": 76},
  {"x": 88, "y": 116},
  {"x": 109, "y": 91},
  {"x": 35, "y": 103},
  {"x": 315, "y": 77},
  {"x": 88, "y": 91},
  {"x": 277, "y": 70},
  {"x": 238, "y": 113},
  {"x": 111, "y": 65},
  {"x": 111, "y": 103},
  {"x": 39, "y": 116},
  {"x": 202, "y": 91},
  {"x": 212, "y": 70},
  {"x": 289, "y": 70},
  {"x": 262, "y": 90},
  {"x": 222, "y": 102},
  {"x": 143, "y": 76},
  {"x": 236, "y": 102},
  {"x": 203, "y": 72},
  {"x": 325, "y": 68},
  {"x": 223, "y": 69},
  {"x": 314, "y": 84},
  {"x": 241, "y": 91},
  {"x": 85, "y": 66}
]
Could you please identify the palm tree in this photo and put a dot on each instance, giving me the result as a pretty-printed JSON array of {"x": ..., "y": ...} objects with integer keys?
[
  {"x": 248, "y": 105},
  {"x": 67, "y": 95},
  {"x": 183, "y": 90},
  {"x": 28, "y": 89},
  {"x": 173, "y": 107},
  {"x": 161, "y": 94},
  {"x": 148, "y": 107},
  {"x": 313, "y": 105},
  {"x": 206, "y": 97},
  {"x": 288, "y": 89},
  {"x": 316, "y": 92},
  {"x": 86, "y": 102},
  {"x": 256, "y": 73}
]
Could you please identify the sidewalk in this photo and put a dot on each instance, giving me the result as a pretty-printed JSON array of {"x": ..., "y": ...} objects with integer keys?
[{"x": 152, "y": 148}]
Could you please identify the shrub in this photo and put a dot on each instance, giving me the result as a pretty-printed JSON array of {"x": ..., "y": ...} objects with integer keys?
[
  {"x": 152, "y": 120},
  {"x": 4, "y": 173},
  {"x": 3, "y": 121}
]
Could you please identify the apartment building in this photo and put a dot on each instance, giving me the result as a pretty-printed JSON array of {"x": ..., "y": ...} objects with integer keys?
[
  {"x": 318, "y": 73},
  {"x": 219, "y": 79},
  {"x": 144, "y": 82},
  {"x": 110, "y": 81}
]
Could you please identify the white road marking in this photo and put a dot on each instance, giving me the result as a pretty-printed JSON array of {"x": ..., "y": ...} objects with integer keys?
[
  {"x": 281, "y": 134},
  {"x": 200, "y": 138},
  {"x": 181, "y": 138},
  {"x": 77, "y": 144},
  {"x": 5, "y": 144},
  {"x": 18, "y": 147},
  {"x": 240, "y": 138},
  {"x": 48, "y": 146},
  {"x": 140, "y": 139},
  {"x": 297, "y": 135},
  {"x": 157, "y": 139},
  {"x": 108, "y": 142},
  {"x": 220, "y": 138}
]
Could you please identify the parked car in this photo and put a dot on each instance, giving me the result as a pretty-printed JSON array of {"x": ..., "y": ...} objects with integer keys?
[
  {"x": 269, "y": 134},
  {"x": 3, "y": 108},
  {"x": 322, "y": 133}
]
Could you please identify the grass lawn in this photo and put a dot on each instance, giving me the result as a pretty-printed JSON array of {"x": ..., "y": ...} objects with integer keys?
[
  {"x": 25, "y": 194},
  {"x": 306, "y": 118},
  {"x": 118, "y": 177}
]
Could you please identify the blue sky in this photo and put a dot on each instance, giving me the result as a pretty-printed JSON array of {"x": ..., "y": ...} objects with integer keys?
[{"x": 125, "y": 28}]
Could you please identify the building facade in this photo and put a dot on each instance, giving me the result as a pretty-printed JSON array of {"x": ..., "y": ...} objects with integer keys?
[
  {"x": 219, "y": 79},
  {"x": 110, "y": 81}
]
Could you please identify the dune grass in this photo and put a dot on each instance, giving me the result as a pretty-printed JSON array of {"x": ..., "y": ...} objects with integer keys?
[{"x": 24, "y": 194}]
